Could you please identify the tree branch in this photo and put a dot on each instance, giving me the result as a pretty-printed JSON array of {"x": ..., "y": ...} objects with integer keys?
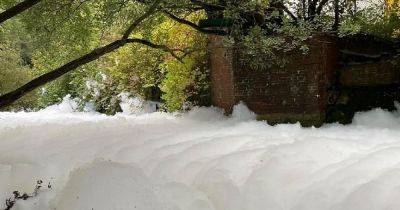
[
  {"x": 337, "y": 15},
  {"x": 138, "y": 21},
  {"x": 13, "y": 96},
  {"x": 17, "y": 9},
  {"x": 280, "y": 5},
  {"x": 312, "y": 6},
  {"x": 321, "y": 6},
  {"x": 156, "y": 46},
  {"x": 294, "y": 18},
  {"x": 195, "y": 26}
]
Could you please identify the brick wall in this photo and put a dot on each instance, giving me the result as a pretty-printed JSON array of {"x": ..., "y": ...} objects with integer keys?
[
  {"x": 337, "y": 78},
  {"x": 365, "y": 86},
  {"x": 296, "y": 92},
  {"x": 384, "y": 72}
]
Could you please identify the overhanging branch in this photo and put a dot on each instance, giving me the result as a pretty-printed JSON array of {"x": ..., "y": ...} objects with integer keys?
[
  {"x": 139, "y": 20},
  {"x": 157, "y": 46},
  {"x": 195, "y": 26},
  {"x": 12, "y": 96},
  {"x": 280, "y": 5},
  {"x": 17, "y": 9}
]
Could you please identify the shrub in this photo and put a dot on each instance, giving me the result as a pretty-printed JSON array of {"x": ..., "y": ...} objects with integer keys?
[{"x": 186, "y": 84}]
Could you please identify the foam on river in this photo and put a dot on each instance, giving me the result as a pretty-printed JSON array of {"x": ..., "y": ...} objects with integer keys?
[{"x": 200, "y": 160}]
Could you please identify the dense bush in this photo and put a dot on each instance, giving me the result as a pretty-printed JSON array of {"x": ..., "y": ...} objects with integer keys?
[{"x": 186, "y": 84}]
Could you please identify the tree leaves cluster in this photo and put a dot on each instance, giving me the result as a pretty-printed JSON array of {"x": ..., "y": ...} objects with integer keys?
[{"x": 288, "y": 24}]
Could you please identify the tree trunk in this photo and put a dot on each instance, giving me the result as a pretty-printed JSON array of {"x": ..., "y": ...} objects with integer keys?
[
  {"x": 337, "y": 15},
  {"x": 304, "y": 9},
  {"x": 312, "y": 7}
]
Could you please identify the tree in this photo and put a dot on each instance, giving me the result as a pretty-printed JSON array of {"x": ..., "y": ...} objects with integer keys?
[
  {"x": 12, "y": 96},
  {"x": 153, "y": 7},
  {"x": 291, "y": 18}
]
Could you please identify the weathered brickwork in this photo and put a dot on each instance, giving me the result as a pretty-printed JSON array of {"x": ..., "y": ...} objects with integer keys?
[
  {"x": 373, "y": 74},
  {"x": 222, "y": 93},
  {"x": 295, "y": 92},
  {"x": 306, "y": 88}
]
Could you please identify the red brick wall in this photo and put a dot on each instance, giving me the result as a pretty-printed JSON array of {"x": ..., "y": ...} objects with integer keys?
[
  {"x": 222, "y": 91},
  {"x": 385, "y": 72},
  {"x": 299, "y": 90},
  {"x": 292, "y": 93}
]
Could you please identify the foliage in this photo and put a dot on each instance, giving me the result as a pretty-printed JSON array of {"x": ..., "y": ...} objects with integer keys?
[
  {"x": 392, "y": 5},
  {"x": 136, "y": 69},
  {"x": 55, "y": 32},
  {"x": 102, "y": 92},
  {"x": 373, "y": 20},
  {"x": 259, "y": 45},
  {"x": 63, "y": 30},
  {"x": 386, "y": 27},
  {"x": 15, "y": 63},
  {"x": 287, "y": 31},
  {"x": 177, "y": 79},
  {"x": 186, "y": 84}
]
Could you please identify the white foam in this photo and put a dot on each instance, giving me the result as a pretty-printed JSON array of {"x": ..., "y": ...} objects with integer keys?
[
  {"x": 241, "y": 112},
  {"x": 201, "y": 160},
  {"x": 135, "y": 105}
]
